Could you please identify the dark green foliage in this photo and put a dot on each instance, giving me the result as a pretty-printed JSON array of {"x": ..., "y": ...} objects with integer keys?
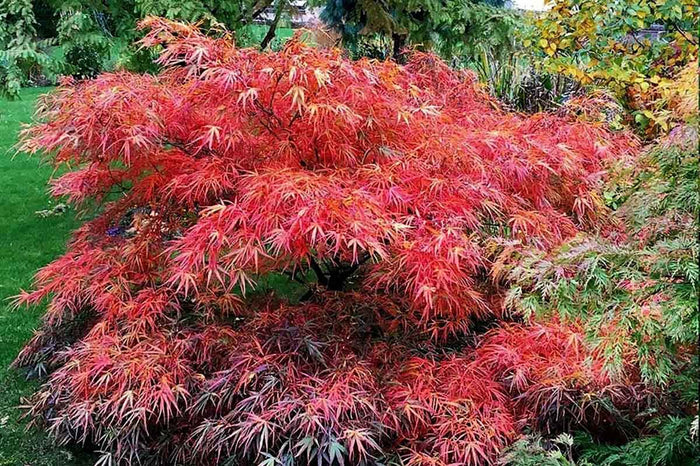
[
  {"x": 46, "y": 18},
  {"x": 83, "y": 35},
  {"x": 88, "y": 32},
  {"x": 22, "y": 56},
  {"x": 453, "y": 28},
  {"x": 84, "y": 60},
  {"x": 230, "y": 14},
  {"x": 673, "y": 443},
  {"x": 373, "y": 45},
  {"x": 117, "y": 19},
  {"x": 138, "y": 60}
]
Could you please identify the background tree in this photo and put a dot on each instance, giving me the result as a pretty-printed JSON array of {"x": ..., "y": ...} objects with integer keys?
[
  {"x": 606, "y": 43},
  {"x": 21, "y": 53},
  {"x": 93, "y": 36},
  {"x": 448, "y": 27}
]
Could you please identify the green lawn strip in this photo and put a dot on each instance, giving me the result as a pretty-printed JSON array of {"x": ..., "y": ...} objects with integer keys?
[
  {"x": 28, "y": 241},
  {"x": 252, "y": 35}
]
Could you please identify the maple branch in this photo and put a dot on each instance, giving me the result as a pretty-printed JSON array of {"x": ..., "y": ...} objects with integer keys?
[
  {"x": 322, "y": 278},
  {"x": 265, "y": 125},
  {"x": 338, "y": 274},
  {"x": 116, "y": 182},
  {"x": 270, "y": 113},
  {"x": 274, "y": 90},
  {"x": 293, "y": 119},
  {"x": 178, "y": 145},
  {"x": 682, "y": 32}
]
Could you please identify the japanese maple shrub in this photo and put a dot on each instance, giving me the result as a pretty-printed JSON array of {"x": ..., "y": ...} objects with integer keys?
[{"x": 378, "y": 190}]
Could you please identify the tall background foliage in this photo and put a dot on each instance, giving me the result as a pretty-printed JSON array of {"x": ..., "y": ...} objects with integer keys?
[
  {"x": 92, "y": 36},
  {"x": 22, "y": 55},
  {"x": 634, "y": 48},
  {"x": 453, "y": 28}
]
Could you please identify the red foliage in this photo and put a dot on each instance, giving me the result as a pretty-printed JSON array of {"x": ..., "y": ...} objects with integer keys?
[
  {"x": 554, "y": 378},
  {"x": 450, "y": 412},
  {"x": 374, "y": 185}
]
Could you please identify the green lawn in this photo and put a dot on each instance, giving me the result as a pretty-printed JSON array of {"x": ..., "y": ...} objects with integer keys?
[
  {"x": 252, "y": 35},
  {"x": 27, "y": 242}
]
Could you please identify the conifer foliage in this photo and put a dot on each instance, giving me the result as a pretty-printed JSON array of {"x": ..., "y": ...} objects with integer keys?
[{"x": 377, "y": 189}]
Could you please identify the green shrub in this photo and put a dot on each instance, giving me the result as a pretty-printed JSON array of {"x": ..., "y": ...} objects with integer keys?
[
  {"x": 84, "y": 60},
  {"x": 23, "y": 58},
  {"x": 138, "y": 60},
  {"x": 673, "y": 443},
  {"x": 535, "y": 451}
]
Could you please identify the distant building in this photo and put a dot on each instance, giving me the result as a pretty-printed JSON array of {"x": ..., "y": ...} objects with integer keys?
[
  {"x": 301, "y": 15},
  {"x": 532, "y": 5}
]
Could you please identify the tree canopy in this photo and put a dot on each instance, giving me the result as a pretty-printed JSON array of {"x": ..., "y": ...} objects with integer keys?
[{"x": 382, "y": 191}]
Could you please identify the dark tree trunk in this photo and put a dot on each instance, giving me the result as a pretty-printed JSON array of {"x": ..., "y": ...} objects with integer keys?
[
  {"x": 273, "y": 25},
  {"x": 399, "y": 44},
  {"x": 336, "y": 275}
]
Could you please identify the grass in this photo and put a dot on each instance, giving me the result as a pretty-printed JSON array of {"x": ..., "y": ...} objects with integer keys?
[
  {"x": 28, "y": 242},
  {"x": 252, "y": 35}
]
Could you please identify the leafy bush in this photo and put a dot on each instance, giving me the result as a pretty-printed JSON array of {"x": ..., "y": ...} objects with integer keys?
[
  {"x": 533, "y": 451},
  {"x": 633, "y": 48},
  {"x": 672, "y": 444},
  {"x": 84, "y": 60},
  {"x": 138, "y": 60},
  {"x": 377, "y": 189},
  {"x": 22, "y": 57}
]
